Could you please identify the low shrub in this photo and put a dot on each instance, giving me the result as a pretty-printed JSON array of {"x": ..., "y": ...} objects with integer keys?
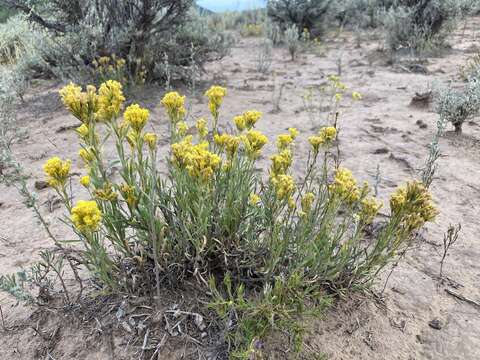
[
  {"x": 268, "y": 249},
  {"x": 458, "y": 105}
]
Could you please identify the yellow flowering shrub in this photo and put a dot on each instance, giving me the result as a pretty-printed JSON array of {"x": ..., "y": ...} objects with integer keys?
[{"x": 216, "y": 219}]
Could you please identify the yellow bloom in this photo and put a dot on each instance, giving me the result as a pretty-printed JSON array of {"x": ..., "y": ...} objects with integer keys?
[
  {"x": 196, "y": 159},
  {"x": 284, "y": 141},
  {"x": 85, "y": 181},
  {"x": 82, "y": 105},
  {"x": 132, "y": 138},
  {"x": 174, "y": 105},
  {"x": 251, "y": 117},
  {"x": 82, "y": 131},
  {"x": 356, "y": 95},
  {"x": 345, "y": 186},
  {"x": 182, "y": 128},
  {"x": 151, "y": 140},
  {"x": 215, "y": 96},
  {"x": 291, "y": 203},
  {"x": 110, "y": 100},
  {"x": 107, "y": 193},
  {"x": 240, "y": 122},
  {"x": 128, "y": 193},
  {"x": 87, "y": 154},
  {"x": 281, "y": 163},
  {"x": 86, "y": 216},
  {"x": 369, "y": 209},
  {"x": 57, "y": 171},
  {"x": 284, "y": 186},
  {"x": 202, "y": 128},
  {"x": 293, "y": 133},
  {"x": 228, "y": 142},
  {"x": 307, "y": 202},
  {"x": 254, "y": 141},
  {"x": 254, "y": 199},
  {"x": 325, "y": 137},
  {"x": 136, "y": 117},
  {"x": 338, "y": 97},
  {"x": 413, "y": 203}
]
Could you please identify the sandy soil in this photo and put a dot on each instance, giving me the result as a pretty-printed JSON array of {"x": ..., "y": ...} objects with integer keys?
[{"x": 381, "y": 130}]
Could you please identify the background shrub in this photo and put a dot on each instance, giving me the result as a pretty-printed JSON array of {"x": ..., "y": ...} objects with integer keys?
[
  {"x": 139, "y": 32},
  {"x": 304, "y": 14}
]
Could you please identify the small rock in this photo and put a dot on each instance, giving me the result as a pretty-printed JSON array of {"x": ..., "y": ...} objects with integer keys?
[
  {"x": 435, "y": 324},
  {"x": 381, "y": 151},
  {"x": 421, "y": 124},
  {"x": 40, "y": 185}
]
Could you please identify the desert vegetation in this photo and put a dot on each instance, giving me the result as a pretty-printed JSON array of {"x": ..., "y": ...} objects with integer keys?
[{"x": 195, "y": 185}]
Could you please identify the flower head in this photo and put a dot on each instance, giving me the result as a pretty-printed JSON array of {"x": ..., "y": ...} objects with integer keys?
[
  {"x": 254, "y": 199},
  {"x": 284, "y": 186},
  {"x": 136, "y": 117},
  {"x": 281, "y": 163},
  {"x": 356, "y": 95},
  {"x": 369, "y": 208},
  {"x": 413, "y": 203},
  {"x": 215, "y": 98},
  {"x": 57, "y": 171},
  {"x": 228, "y": 142},
  {"x": 87, "y": 154},
  {"x": 325, "y": 137},
  {"x": 82, "y": 105},
  {"x": 82, "y": 131},
  {"x": 174, "y": 105},
  {"x": 151, "y": 140},
  {"x": 284, "y": 141},
  {"x": 202, "y": 128},
  {"x": 293, "y": 133},
  {"x": 86, "y": 216},
  {"x": 110, "y": 100},
  {"x": 182, "y": 128},
  {"x": 85, "y": 181},
  {"x": 254, "y": 141},
  {"x": 307, "y": 202},
  {"x": 195, "y": 159},
  {"x": 345, "y": 186}
]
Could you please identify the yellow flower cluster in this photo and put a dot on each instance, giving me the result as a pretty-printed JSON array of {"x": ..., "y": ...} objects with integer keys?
[
  {"x": 151, "y": 140},
  {"x": 110, "y": 100},
  {"x": 57, "y": 171},
  {"x": 369, "y": 208},
  {"x": 254, "y": 199},
  {"x": 307, "y": 202},
  {"x": 325, "y": 137},
  {"x": 87, "y": 154},
  {"x": 281, "y": 163},
  {"x": 86, "y": 216},
  {"x": 136, "y": 117},
  {"x": 196, "y": 159},
  {"x": 215, "y": 99},
  {"x": 356, "y": 95},
  {"x": 85, "y": 181},
  {"x": 229, "y": 143},
  {"x": 107, "y": 193},
  {"x": 82, "y": 131},
  {"x": 413, "y": 202},
  {"x": 128, "y": 193},
  {"x": 174, "y": 105},
  {"x": 253, "y": 142},
  {"x": 202, "y": 128},
  {"x": 345, "y": 186},
  {"x": 182, "y": 128},
  {"x": 83, "y": 105},
  {"x": 284, "y": 186},
  {"x": 247, "y": 120}
]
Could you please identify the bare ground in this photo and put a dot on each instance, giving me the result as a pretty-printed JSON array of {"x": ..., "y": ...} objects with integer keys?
[{"x": 382, "y": 130}]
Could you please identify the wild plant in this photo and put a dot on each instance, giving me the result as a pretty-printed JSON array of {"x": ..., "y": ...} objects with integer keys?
[
  {"x": 265, "y": 56},
  {"x": 273, "y": 33},
  {"x": 292, "y": 41},
  {"x": 449, "y": 239},
  {"x": 457, "y": 106},
  {"x": 325, "y": 99},
  {"x": 268, "y": 249}
]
